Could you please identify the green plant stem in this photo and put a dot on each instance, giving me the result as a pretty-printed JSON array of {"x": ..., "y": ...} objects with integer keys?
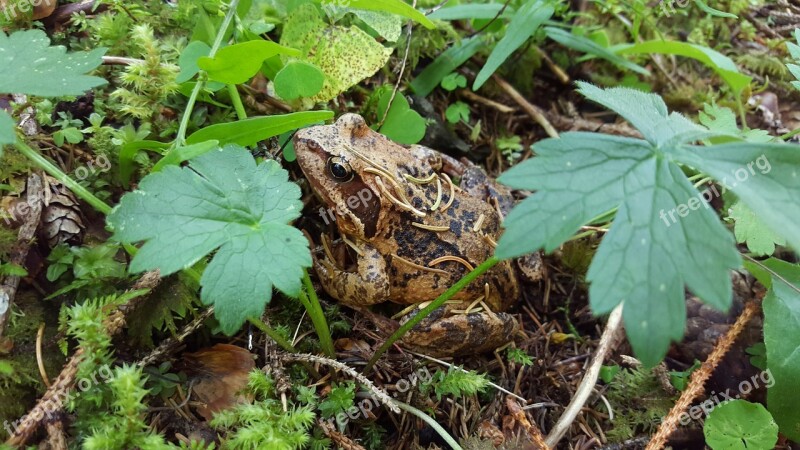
[
  {"x": 447, "y": 295},
  {"x": 58, "y": 174},
  {"x": 286, "y": 345},
  {"x": 791, "y": 134},
  {"x": 310, "y": 301},
  {"x": 180, "y": 139},
  {"x": 236, "y": 99},
  {"x": 427, "y": 419}
]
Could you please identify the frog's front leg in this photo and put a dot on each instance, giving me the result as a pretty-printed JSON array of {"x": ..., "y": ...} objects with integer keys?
[
  {"x": 442, "y": 334},
  {"x": 367, "y": 286}
]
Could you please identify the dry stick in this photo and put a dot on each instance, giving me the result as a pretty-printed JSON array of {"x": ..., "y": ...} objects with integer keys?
[
  {"x": 19, "y": 253},
  {"x": 469, "y": 95},
  {"x": 534, "y": 111},
  {"x": 169, "y": 344},
  {"x": 402, "y": 70},
  {"x": 339, "y": 439},
  {"x": 607, "y": 343},
  {"x": 52, "y": 401},
  {"x": 380, "y": 394},
  {"x": 699, "y": 377},
  {"x": 533, "y": 431}
]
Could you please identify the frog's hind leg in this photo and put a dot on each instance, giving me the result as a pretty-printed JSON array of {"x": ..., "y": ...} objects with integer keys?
[
  {"x": 367, "y": 286},
  {"x": 441, "y": 334}
]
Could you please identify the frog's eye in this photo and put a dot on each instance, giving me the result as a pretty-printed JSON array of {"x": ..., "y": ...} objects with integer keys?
[{"x": 339, "y": 169}]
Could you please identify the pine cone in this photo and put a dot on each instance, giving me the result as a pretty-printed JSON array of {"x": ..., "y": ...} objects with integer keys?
[{"x": 62, "y": 219}]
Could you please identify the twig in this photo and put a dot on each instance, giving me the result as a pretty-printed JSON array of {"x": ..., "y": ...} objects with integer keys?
[
  {"x": 380, "y": 394},
  {"x": 39, "y": 359},
  {"x": 469, "y": 95},
  {"x": 607, "y": 341},
  {"x": 409, "y": 28},
  {"x": 534, "y": 111},
  {"x": 120, "y": 61},
  {"x": 339, "y": 439},
  {"x": 52, "y": 401},
  {"x": 19, "y": 253},
  {"x": 699, "y": 377},
  {"x": 533, "y": 431},
  {"x": 555, "y": 68},
  {"x": 168, "y": 344}
]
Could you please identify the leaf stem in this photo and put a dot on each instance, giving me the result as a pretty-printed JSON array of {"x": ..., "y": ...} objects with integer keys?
[
  {"x": 180, "y": 139},
  {"x": 237, "y": 102},
  {"x": 430, "y": 421},
  {"x": 58, "y": 174},
  {"x": 280, "y": 340},
  {"x": 446, "y": 295},
  {"x": 310, "y": 301}
]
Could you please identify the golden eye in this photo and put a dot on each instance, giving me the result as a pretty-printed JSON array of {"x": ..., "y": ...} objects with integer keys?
[{"x": 339, "y": 169}]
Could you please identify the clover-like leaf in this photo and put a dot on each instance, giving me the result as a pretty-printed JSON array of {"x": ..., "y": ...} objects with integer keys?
[
  {"x": 298, "y": 79},
  {"x": 29, "y": 65},
  {"x": 226, "y": 203},
  {"x": 402, "y": 124}
]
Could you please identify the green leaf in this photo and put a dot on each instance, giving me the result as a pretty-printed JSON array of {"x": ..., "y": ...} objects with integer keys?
[
  {"x": 402, "y": 124},
  {"x": 758, "y": 355},
  {"x": 181, "y": 154},
  {"x": 392, "y": 6},
  {"x": 664, "y": 236},
  {"x": 607, "y": 373},
  {"x": 8, "y": 134},
  {"x": 444, "y": 64},
  {"x": 128, "y": 153},
  {"x": 250, "y": 131},
  {"x": 457, "y": 112},
  {"x": 346, "y": 55},
  {"x": 188, "y": 60},
  {"x": 586, "y": 45},
  {"x": 298, "y": 79},
  {"x": 525, "y": 22},
  {"x": 29, "y": 65},
  {"x": 238, "y": 63},
  {"x": 472, "y": 11},
  {"x": 764, "y": 177},
  {"x": 749, "y": 229},
  {"x": 388, "y": 26},
  {"x": 714, "y": 12},
  {"x": 781, "y": 334},
  {"x": 723, "y": 121},
  {"x": 716, "y": 61},
  {"x": 71, "y": 135},
  {"x": 339, "y": 399},
  {"x": 739, "y": 424},
  {"x": 454, "y": 81},
  {"x": 13, "y": 270},
  {"x": 223, "y": 203}
]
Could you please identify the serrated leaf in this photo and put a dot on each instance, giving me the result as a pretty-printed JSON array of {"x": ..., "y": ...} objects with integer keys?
[
  {"x": 298, "y": 79},
  {"x": 528, "y": 19},
  {"x": 29, "y": 65},
  {"x": 764, "y": 176},
  {"x": 723, "y": 121},
  {"x": 647, "y": 113},
  {"x": 739, "y": 424},
  {"x": 226, "y": 203},
  {"x": 238, "y": 63},
  {"x": 781, "y": 335},
  {"x": 346, "y": 55},
  {"x": 250, "y": 131},
  {"x": 664, "y": 236},
  {"x": 750, "y": 230}
]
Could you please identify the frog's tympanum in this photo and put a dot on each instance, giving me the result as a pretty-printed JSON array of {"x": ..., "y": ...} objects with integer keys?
[{"x": 415, "y": 233}]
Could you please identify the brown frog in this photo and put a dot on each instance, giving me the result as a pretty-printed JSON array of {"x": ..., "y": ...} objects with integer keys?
[{"x": 415, "y": 233}]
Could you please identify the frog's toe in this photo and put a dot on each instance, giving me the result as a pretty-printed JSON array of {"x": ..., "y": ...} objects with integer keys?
[{"x": 460, "y": 334}]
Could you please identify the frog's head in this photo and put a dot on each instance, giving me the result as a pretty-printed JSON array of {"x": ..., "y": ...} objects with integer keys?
[{"x": 326, "y": 155}]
